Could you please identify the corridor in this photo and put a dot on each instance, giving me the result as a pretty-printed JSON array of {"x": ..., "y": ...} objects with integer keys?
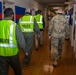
[{"x": 40, "y": 61}]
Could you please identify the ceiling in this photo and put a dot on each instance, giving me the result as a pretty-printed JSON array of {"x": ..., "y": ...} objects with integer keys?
[{"x": 53, "y": 3}]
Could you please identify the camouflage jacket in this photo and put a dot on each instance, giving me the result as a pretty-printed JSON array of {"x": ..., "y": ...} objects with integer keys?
[{"x": 58, "y": 26}]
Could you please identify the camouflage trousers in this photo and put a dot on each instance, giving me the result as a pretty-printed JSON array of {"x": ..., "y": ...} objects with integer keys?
[{"x": 56, "y": 47}]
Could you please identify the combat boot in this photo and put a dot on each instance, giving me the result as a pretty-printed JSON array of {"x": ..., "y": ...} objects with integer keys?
[{"x": 55, "y": 63}]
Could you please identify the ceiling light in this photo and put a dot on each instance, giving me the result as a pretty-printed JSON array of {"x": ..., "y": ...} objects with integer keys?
[
  {"x": 55, "y": 7},
  {"x": 70, "y": 2}
]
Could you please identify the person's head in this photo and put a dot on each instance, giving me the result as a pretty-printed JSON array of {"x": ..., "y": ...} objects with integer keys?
[
  {"x": 60, "y": 10},
  {"x": 39, "y": 11},
  {"x": 28, "y": 10},
  {"x": 8, "y": 12}
]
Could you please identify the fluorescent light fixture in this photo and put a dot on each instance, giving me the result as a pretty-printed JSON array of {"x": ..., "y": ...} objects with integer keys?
[
  {"x": 55, "y": 7},
  {"x": 70, "y": 2}
]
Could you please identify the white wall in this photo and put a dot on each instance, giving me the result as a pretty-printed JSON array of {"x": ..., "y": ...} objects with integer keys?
[
  {"x": 23, "y": 3},
  {"x": 74, "y": 24},
  {"x": 27, "y": 4},
  {"x": 1, "y": 0},
  {"x": 71, "y": 26},
  {"x": 32, "y": 4}
]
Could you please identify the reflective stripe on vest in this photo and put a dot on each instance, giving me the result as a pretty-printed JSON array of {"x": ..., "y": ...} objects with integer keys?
[
  {"x": 39, "y": 20},
  {"x": 25, "y": 24},
  {"x": 10, "y": 38}
]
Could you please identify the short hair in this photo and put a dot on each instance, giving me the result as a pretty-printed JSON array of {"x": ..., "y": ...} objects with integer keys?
[
  {"x": 8, "y": 12},
  {"x": 28, "y": 10},
  {"x": 39, "y": 11}
]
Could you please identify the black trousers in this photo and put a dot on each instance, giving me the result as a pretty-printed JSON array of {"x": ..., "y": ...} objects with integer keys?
[{"x": 13, "y": 61}]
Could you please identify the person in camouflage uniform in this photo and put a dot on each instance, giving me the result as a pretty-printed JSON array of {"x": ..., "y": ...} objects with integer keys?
[{"x": 57, "y": 30}]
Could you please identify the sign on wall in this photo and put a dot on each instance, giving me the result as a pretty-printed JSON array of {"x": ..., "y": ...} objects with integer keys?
[
  {"x": 19, "y": 12},
  {"x": 0, "y": 10}
]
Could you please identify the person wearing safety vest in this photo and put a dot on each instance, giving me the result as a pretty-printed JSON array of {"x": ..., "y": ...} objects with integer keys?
[
  {"x": 40, "y": 20},
  {"x": 28, "y": 25},
  {"x": 10, "y": 37}
]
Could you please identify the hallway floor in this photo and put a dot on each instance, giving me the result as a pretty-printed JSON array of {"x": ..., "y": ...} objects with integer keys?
[{"x": 40, "y": 60}]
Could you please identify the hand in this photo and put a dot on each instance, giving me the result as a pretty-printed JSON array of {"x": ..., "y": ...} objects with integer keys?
[
  {"x": 26, "y": 54},
  {"x": 49, "y": 37},
  {"x": 38, "y": 36}
]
